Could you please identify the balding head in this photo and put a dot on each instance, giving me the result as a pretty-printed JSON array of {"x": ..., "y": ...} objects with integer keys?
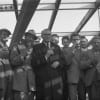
[{"x": 46, "y": 35}]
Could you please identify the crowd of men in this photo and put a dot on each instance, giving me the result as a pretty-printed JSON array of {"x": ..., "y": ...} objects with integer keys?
[{"x": 33, "y": 70}]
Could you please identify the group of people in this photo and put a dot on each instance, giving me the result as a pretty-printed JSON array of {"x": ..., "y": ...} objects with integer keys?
[{"x": 45, "y": 71}]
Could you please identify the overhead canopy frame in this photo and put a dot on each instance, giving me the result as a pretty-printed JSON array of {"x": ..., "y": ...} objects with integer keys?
[
  {"x": 27, "y": 11},
  {"x": 54, "y": 14},
  {"x": 87, "y": 17},
  {"x": 15, "y": 4}
]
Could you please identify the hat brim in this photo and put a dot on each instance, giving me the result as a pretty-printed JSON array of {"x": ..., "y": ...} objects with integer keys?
[
  {"x": 32, "y": 36},
  {"x": 6, "y": 31}
]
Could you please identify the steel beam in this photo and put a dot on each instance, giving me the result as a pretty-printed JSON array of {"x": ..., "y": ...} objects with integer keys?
[
  {"x": 15, "y": 4},
  {"x": 87, "y": 17},
  {"x": 27, "y": 11},
  {"x": 50, "y": 6},
  {"x": 54, "y": 14}
]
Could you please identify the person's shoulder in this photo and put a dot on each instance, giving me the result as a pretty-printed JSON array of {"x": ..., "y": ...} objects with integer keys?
[
  {"x": 89, "y": 50},
  {"x": 37, "y": 45}
]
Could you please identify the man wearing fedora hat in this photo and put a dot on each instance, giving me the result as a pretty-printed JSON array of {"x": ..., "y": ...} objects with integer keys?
[{"x": 23, "y": 78}]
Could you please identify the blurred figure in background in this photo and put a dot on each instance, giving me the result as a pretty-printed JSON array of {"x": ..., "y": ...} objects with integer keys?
[
  {"x": 5, "y": 67},
  {"x": 85, "y": 64},
  {"x": 93, "y": 74}
]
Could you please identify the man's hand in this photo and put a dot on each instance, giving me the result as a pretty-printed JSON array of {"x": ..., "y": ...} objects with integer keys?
[
  {"x": 49, "y": 53},
  {"x": 55, "y": 64}
]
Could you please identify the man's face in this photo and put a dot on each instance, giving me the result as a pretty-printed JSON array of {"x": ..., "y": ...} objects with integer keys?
[
  {"x": 97, "y": 44},
  {"x": 76, "y": 40},
  {"x": 29, "y": 40},
  {"x": 46, "y": 36},
  {"x": 65, "y": 42},
  {"x": 84, "y": 43},
  {"x": 55, "y": 39},
  {"x": 4, "y": 36}
]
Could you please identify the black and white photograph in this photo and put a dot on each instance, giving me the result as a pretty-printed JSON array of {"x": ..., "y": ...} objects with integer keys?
[{"x": 49, "y": 49}]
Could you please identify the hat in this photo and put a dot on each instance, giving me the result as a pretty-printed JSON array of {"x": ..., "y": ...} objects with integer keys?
[
  {"x": 46, "y": 32},
  {"x": 31, "y": 31},
  {"x": 55, "y": 35},
  {"x": 32, "y": 34},
  {"x": 5, "y": 31}
]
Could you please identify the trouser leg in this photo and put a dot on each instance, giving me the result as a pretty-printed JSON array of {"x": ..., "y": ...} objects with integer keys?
[
  {"x": 81, "y": 91},
  {"x": 94, "y": 91},
  {"x": 65, "y": 92},
  {"x": 72, "y": 91},
  {"x": 9, "y": 92},
  {"x": 1, "y": 94},
  {"x": 20, "y": 95},
  {"x": 65, "y": 85}
]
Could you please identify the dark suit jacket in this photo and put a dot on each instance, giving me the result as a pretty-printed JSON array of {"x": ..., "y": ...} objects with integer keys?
[
  {"x": 38, "y": 56},
  {"x": 45, "y": 74}
]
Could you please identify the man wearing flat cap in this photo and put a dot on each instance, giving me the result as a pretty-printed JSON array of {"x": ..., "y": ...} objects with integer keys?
[
  {"x": 47, "y": 63},
  {"x": 32, "y": 34}
]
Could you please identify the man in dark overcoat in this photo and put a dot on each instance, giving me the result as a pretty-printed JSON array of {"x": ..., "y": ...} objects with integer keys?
[{"x": 47, "y": 63}]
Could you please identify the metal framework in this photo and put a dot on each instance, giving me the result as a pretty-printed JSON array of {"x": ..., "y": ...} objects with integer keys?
[
  {"x": 30, "y": 6},
  {"x": 83, "y": 33},
  {"x": 49, "y": 6},
  {"x": 87, "y": 17},
  {"x": 28, "y": 9},
  {"x": 15, "y": 4},
  {"x": 54, "y": 14}
]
